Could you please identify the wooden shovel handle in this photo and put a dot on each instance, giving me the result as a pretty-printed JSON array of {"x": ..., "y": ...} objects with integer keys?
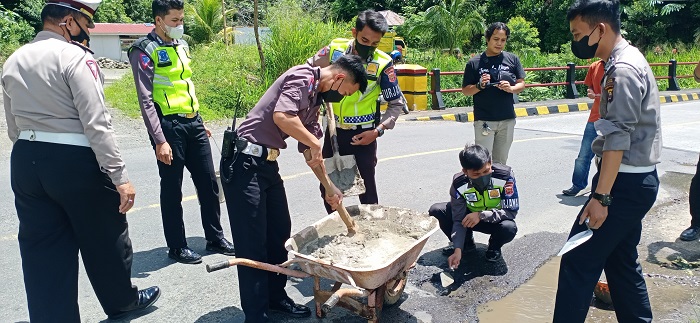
[
  {"x": 331, "y": 127},
  {"x": 326, "y": 182}
]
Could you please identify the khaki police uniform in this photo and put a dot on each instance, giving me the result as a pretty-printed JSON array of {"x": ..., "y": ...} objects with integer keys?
[
  {"x": 629, "y": 121},
  {"x": 64, "y": 167}
]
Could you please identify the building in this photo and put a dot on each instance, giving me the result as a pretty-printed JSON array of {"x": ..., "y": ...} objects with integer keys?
[{"x": 113, "y": 40}]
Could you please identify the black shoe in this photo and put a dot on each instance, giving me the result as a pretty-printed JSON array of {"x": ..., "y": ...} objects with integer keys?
[
  {"x": 572, "y": 191},
  {"x": 448, "y": 251},
  {"x": 492, "y": 255},
  {"x": 147, "y": 297},
  {"x": 287, "y": 306},
  {"x": 222, "y": 246},
  {"x": 184, "y": 255},
  {"x": 690, "y": 234},
  {"x": 469, "y": 246}
]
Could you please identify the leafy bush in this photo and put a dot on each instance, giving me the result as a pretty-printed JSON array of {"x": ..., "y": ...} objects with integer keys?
[
  {"x": 524, "y": 38},
  {"x": 14, "y": 31}
]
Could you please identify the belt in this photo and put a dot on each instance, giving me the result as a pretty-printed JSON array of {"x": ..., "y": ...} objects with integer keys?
[
  {"x": 355, "y": 127},
  {"x": 65, "y": 138},
  {"x": 251, "y": 149},
  {"x": 624, "y": 168},
  {"x": 183, "y": 115}
]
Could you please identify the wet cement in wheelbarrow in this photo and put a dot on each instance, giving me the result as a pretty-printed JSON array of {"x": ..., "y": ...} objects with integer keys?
[{"x": 383, "y": 234}]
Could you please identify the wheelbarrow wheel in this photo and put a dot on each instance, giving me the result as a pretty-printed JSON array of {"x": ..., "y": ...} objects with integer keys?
[{"x": 395, "y": 288}]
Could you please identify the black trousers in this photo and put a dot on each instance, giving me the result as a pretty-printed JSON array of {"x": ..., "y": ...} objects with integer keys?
[
  {"x": 65, "y": 204},
  {"x": 260, "y": 223},
  {"x": 501, "y": 232},
  {"x": 694, "y": 198},
  {"x": 191, "y": 149},
  {"x": 366, "y": 158},
  {"x": 613, "y": 248}
]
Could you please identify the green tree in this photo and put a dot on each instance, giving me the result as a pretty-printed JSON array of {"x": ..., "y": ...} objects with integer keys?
[
  {"x": 448, "y": 25},
  {"x": 204, "y": 21},
  {"x": 14, "y": 31},
  {"x": 112, "y": 11},
  {"x": 524, "y": 38},
  {"x": 139, "y": 11}
]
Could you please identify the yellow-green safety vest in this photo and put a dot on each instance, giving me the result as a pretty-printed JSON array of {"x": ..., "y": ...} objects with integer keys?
[
  {"x": 481, "y": 201},
  {"x": 359, "y": 108},
  {"x": 173, "y": 89}
]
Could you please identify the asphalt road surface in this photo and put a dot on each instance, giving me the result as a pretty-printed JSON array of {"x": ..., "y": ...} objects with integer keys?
[{"x": 416, "y": 164}]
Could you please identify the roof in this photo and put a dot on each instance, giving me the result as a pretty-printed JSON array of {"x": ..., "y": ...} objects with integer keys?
[
  {"x": 121, "y": 29},
  {"x": 392, "y": 18}
]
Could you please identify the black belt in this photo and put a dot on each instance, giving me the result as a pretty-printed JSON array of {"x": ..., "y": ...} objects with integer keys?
[{"x": 192, "y": 115}]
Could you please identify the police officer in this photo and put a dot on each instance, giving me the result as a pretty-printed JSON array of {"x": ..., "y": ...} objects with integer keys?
[
  {"x": 483, "y": 198},
  {"x": 255, "y": 196},
  {"x": 357, "y": 116},
  {"x": 693, "y": 231},
  {"x": 71, "y": 187},
  {"x": 626, "y": 185},
  {"x": 161, "y": 65}
]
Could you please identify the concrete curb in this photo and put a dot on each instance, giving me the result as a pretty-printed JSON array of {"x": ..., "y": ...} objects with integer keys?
[{"x": 544, "y": 110}]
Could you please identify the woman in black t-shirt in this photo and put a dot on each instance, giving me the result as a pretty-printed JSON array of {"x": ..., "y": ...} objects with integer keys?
[{"x": 492, "y": 78}]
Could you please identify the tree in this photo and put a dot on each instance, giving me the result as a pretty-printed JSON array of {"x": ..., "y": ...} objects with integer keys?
[
  {"x": 204, "y": 21},
  {"x": 524, "y": 38},
  {"x": 138, "y": 10},
  {"x": 448, "y": 25},
  {"x": 112, "y": 11},
  {"x": 257, "y": 37}
]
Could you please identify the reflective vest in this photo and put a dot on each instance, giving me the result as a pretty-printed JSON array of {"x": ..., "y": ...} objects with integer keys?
[
  {"x": 359, "y": 108},
  {"x": 481, "y": 201},
  {"x": 173, "y": 89}
]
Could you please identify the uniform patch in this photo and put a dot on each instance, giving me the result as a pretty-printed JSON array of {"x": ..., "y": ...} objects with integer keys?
[
  {"x": 494, "y": 194},
  {"x": 336, "y": 54},
  {"x": 372, "y": 69},
  {"x": 163, "y": 56},
  {"x": 508, "y": 188},
  {"x": 145, "y": 60},
  {"x": 92, "y": 65},
  {"x": 470, "y": 197},
  {"x": 323, "y": 52},
  {"x": 311, "y": 84},
  {"x": 609, "y": 85},
  {"x": 389, "y": 71}
]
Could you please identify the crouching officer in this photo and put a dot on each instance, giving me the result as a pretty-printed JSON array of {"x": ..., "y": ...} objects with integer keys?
[
  {"x": 358, "y": 115},
  {"x": 161, "y": 66},
  {"x": 71, "y": 186},
  {"x": 625, "y": 187},
  {"x": 255, "y": 196},
  {"x": 484, "y": 198}
]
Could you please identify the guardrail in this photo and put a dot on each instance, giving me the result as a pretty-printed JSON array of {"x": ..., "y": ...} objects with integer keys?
[{"x": 571, "y": 92}]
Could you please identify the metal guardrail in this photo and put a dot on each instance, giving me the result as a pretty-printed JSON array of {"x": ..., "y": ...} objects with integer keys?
[{"x": 571, "y": 92}]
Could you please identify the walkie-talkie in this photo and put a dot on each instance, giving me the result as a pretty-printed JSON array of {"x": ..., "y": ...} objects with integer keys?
[{"x": 229, "y": 138}]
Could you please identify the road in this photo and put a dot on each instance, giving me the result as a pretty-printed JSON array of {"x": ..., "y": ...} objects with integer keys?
[{"x": 416, "y": 164}]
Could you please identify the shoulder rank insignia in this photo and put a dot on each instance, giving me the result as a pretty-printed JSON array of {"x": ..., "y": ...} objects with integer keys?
[{"x": 609, "y": 85}]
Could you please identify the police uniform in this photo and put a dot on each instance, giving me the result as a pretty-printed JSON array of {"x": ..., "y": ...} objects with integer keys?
[
  {"x": 64, "y": 167},
  {"x": 169, "y": 107},
  {"x": 498, "y": 205},
  {"x": 255, "y": 195},
  {"x": 630, "y": 122},
  {"x": 359, "y": 112}
]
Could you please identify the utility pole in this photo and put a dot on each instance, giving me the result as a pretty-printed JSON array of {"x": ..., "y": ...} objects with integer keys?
[{"x": 223, "y": 15}]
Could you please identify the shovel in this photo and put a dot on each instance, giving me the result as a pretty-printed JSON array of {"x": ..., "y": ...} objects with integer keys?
[
  {"x": 325, "y": 181},
  {"x": 342, "y": 170},
  {"x": 576, "y": 240}
]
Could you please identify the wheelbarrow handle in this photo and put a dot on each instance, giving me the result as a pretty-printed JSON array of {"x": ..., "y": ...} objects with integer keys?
[
  {"x": 258, "y": 265},
  {"x": 218, "y": 266}
]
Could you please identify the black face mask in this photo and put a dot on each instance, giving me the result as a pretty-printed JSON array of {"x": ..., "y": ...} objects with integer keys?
[
  {"x": 481, "y": 183},
  {"x": 581, "y": 49},
  {"x": 364, "y": 51},
  {"x": 82, "y": 37},
  {"x": 331, "y": 95}
]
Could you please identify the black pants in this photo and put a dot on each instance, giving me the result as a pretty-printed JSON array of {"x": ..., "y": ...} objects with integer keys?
[
  {"x": 260, "y": 223},
  {"x": 613, "y": 248},
  {"x": 366, "y": 158},
  {"x": 191, "y": 149},
  {"x": 65, "y": 204},
  {"x": 501, "y": 232},
  {"x": 694, "y": 198}
]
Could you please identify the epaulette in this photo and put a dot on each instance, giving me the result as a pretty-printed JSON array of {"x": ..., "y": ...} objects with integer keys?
[{"x": 85, "y": 48}]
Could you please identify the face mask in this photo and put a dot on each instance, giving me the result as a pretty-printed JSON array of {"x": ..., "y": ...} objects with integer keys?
[
  {"x": 582, "y": 50},
  {"x": 331, "y": 95},
  {"x": 82, "y": 37},
  {"x": 364, "y": 51},
  {"x": 174, "y": 32},
  {"x": 481, "y": 183}
]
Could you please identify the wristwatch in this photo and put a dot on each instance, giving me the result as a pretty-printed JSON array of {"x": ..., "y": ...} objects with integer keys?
[
  {"x": 380, "y": 131},
  {"x": 604, "y": 199}
]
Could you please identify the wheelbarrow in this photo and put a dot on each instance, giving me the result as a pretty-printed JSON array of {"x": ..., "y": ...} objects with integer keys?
[{"x": 381, "y": 284}]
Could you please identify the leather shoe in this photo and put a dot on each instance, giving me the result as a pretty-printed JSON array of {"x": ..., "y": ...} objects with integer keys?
[
  {"x": 469, "y": 246},
  {"x": 287, "y": 306},
  {"x": 492, "y": 255},
  {"x": 184, "y": 255},
  {"x": 222, "y": 246},
  {"x": 572, "y": 191},
  {"x": 690, "y": 234},
  {"x": 147, "y": 297}
]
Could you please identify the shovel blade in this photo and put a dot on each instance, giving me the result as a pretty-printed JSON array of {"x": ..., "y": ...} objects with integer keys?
[
  {"x": 446, "y": 279},
  {"x": 576, "y": 241},
  {"x": 343, "y": 172}
]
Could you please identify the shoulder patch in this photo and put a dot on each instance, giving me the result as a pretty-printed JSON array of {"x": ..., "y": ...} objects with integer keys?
[
  {"x": 144, "y": 60},
  {"x": 389, "y": 71},
  {"x": 92, "y": 65},
  {"x": 323, "y": 52},
  {"x": 509, "y": 188},
  {"x": 609, "y": 86},
  {"x": 336, "y": 54}
]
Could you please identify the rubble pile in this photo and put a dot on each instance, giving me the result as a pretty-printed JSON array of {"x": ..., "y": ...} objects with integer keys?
[{"x": 105, "y": 62}]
